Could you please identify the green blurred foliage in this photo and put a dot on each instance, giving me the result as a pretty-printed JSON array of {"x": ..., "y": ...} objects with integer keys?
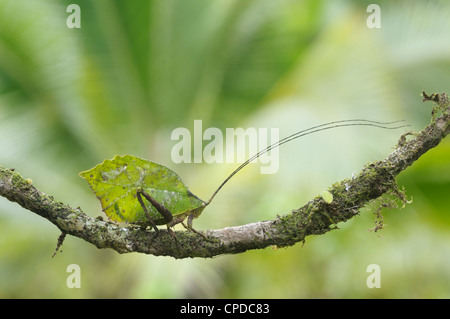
[{"x": 136, "y": 70}]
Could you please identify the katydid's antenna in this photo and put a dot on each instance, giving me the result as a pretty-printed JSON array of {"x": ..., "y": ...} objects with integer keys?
[{"x": 311, "y": 130}]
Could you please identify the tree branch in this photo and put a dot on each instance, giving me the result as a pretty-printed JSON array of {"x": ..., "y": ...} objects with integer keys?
[{"x": 314, "y": 218}]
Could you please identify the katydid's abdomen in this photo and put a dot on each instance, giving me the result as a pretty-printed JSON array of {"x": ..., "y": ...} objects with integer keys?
[{"x": 137, "y": 191}]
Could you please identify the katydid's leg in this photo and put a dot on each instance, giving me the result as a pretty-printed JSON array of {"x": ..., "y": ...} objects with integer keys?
[
  {"x": 172, "y": 234},
  {"x": 189, "y": 227},
  {"x": 176, "y": 221},
  {"x": 159, "y": 207},
  {"x": 139, "y": 197},
  {"x": 168, "y": 216},
  {"x": 180, "y": 220},
  {"x": 190, "y": 219}
]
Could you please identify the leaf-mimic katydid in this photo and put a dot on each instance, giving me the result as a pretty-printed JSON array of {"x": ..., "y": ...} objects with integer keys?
[{"x": 142, "y": 192}]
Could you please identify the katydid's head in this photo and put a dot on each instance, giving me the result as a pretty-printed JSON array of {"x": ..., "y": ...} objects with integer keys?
[{"x": 322, "y": 127}]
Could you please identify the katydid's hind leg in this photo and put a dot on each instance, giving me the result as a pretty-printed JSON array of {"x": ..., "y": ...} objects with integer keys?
[
  {"x": 139, "y": 197},
  {"x": 171, "y": 224},
  {"x": 158, "y": 206}
]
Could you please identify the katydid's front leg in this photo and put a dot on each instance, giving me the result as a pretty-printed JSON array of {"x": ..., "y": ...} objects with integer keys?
[
  {"x": 190, "y": 219},
  {"x": 189, "y": 227}
]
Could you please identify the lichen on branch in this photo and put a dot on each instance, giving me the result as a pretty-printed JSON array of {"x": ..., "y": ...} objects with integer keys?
[{"x": 317, "y": 217}]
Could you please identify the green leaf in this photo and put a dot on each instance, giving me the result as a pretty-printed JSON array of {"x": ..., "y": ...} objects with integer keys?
[{"x": 116, "y": 183}]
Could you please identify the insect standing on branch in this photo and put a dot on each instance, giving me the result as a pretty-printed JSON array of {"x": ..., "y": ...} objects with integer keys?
[{"x": 138, "y": 191}]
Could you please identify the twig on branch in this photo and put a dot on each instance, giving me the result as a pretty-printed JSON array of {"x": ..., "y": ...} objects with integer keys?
[{"x": 316, "y": 217}]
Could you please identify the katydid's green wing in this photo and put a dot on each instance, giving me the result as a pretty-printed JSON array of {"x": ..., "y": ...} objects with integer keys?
[{"x": 116, "y": 182}]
